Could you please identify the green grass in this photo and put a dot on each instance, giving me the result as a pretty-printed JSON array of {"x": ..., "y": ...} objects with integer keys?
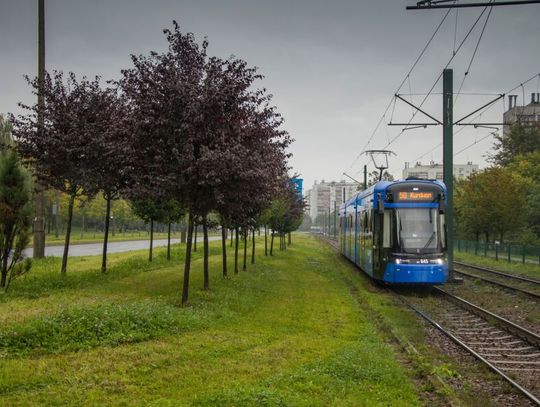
[{"x": 290, "y": 330}]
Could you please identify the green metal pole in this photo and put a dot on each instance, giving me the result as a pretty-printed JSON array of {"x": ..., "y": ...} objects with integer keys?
[{"x": 448, "y": 163}]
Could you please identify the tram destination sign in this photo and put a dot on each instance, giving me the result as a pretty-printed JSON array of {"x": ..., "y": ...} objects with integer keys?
[{"x": 415, "y": 196}]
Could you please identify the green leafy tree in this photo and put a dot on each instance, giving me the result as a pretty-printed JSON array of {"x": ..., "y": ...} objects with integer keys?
[
  {"x": 520, "y": 140},
  {"x": 5, "y": 133},
  {"x": 492, "y": 202},
  {"x": 527, "y": 166},
  {"x": 373, "y": 177},
  {"x": 164, "y": 210},
  {"x": 15, "y": 217}
]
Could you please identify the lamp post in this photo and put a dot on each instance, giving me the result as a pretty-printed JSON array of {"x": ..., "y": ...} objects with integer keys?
[{"x": 39, "y": 220}]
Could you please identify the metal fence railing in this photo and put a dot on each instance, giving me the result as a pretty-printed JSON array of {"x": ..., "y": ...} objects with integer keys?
[{"x": 500, "y": 251}]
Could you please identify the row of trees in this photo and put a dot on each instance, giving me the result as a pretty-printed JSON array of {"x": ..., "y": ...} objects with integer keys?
[
  {"x": 181, "y": 132},
  {"x": 503, "y": 201}
]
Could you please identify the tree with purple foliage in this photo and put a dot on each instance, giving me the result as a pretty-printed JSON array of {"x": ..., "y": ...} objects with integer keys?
[
  {"x": 110, "y": 156},
  {"x": 61, "y": 148},
  {"x": 164, "y": 94}
]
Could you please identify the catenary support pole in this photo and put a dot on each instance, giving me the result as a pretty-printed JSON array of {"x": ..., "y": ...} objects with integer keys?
[{"x": 448, "y": 163}]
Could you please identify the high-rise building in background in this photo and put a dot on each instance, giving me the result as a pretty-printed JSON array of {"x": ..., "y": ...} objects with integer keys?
[
  {"x": 322, "y": 197},
  {"x": 528, "y": 115},
  {"x": 435, "y": 171}
]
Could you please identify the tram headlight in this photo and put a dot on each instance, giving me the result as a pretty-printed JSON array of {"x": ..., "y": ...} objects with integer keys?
[
  {"x": 439, "y": 261},
  {"x": 398, "y": 261}
]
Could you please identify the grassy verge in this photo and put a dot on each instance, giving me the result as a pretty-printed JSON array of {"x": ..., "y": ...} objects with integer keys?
[
  {"x": 527, "y": 269},
  {"x": 289, "y": 331}
]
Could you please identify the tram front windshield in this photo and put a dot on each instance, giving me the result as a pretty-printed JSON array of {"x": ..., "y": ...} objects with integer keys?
[{"x": 417, "y": 230}]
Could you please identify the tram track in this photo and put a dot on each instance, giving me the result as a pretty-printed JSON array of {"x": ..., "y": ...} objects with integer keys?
[
  {"x": 523, "y": 285},
  {"x": 497, "y": 272},
  {"x": 508, "y": 349}
]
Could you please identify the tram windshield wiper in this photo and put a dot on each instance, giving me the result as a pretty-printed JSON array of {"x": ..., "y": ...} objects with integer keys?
[{"x": 429, "y": 241}]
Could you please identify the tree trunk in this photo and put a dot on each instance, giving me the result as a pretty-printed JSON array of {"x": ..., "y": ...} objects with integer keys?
[
  {"x": 236, "y": 251},
  {"x": 151, "y": 239},
  {"x": 224, "y": 249},
  {"x": 5, "y": 258},
  {"x": 289, "y": 238},
  {"x": 83, "y": 226},
  {"x": 272, "y": 244},
  {"x": 205, "y": 254},
  {"x": 195, "y": 238},
  {"x": 253, "y": 247},
  {"x": 232, "y": 237},
  {"x": 68, "y": 233},
  {"x": 169, "y": 242},
  {"x": 187, "y": 263},
  {"x": 265, "y": 240},
  {"x": 183, "y": 231},
  {"x": 106, "y": 236},
  {"x": 245, "y": 249}
]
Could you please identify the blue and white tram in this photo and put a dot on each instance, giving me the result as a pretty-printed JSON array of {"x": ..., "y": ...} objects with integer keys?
[{"x": 396, "y": 233}]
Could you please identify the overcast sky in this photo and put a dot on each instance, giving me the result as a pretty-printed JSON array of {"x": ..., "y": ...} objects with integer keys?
[{"x": 332, "y": 66}]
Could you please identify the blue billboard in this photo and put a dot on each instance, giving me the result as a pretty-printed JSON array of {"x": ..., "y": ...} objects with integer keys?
[{"x": 298, "y": 185}]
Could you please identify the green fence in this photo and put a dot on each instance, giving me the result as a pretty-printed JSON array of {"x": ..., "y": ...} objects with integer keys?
[{"x": 500, "y": 251}]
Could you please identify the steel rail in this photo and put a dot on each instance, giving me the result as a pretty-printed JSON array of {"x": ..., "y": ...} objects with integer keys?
[
  {"x": 508, "y": 287},
  {"x": 500, "y": 273},
  {"x": 478, "y": 356},
  {"x": 504, "y": 323}
]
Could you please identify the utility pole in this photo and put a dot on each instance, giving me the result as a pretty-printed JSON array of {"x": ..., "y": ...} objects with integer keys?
[
  {"x": 448, "y": 163},
  {"x": 39, "y": 220}
]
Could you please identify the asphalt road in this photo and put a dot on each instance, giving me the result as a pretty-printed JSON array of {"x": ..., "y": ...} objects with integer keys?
[{"x": 91, "y": 249}]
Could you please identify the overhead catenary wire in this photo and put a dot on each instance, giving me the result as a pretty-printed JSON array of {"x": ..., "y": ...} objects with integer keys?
[
  {"x": 475, "y": 142},
  {"x": 473, "y": 55},
  {"x": 479, "y": 114},
  {"x": 392, "y": 99},
  {"x": 471, "y": 29}
]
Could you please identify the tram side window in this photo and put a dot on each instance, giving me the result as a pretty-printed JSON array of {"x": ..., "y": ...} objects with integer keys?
[{"x": 387, "y": 232}]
